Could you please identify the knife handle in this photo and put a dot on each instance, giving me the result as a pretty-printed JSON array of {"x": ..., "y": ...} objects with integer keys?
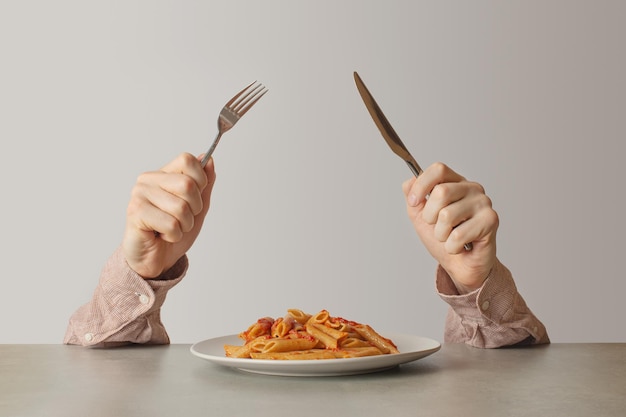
[{"x": 414, "y": 167}]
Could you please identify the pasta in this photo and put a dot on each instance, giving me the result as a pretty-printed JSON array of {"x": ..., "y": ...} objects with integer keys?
[{"x": 302, "y": 336}]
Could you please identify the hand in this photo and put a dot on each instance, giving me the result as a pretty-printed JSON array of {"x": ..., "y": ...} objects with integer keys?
[
  {"x": 447, "y": 212},
  {"x": 165, "y": 214}
]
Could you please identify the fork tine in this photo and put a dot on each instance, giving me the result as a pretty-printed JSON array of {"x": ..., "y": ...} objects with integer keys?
[
  {"x": 240, "y": 105},
  {"x": 243, "y": 100},
  {"x": 249, "y": 100},
  {"x": 232, "y": 100}
]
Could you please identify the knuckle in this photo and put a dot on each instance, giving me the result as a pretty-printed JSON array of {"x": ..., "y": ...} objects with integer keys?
[
  {"x": 493, "y": 218},
  {"x": 455, "y": 235},
  {"x": 485, "y": 202},
  {"x": 441, "y": 192},
  {"x": 478, "y": 187},
  {"x": 439, "y": 168},
  {"x": 187, "y": 185},
  {"x": 445, "y": 216},
  {"x": 143, "y": 178},
  {"x": 180, "y": 208},
  {"x": 187, "y": 159},
  {"x": 171, "y": 227}
]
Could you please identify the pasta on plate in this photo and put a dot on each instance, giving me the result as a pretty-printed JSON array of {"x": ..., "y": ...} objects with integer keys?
[{"x": 302, "y": 336}]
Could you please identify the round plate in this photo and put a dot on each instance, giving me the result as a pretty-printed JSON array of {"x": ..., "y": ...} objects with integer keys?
[{"x": 411, "y": 348}]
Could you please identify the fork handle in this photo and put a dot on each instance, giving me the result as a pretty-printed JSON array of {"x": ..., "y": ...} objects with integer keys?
[{"x": 208, "y": 154}]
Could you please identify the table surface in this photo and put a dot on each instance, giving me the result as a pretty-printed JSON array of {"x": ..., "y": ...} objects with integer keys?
[{"x": 552, "y": 380}]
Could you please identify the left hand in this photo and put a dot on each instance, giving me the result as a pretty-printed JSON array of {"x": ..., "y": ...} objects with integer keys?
[{"x": 447, "y": 212}]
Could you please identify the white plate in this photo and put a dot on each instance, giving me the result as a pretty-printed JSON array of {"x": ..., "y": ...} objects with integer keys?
[{"x": 411, "y": 348}]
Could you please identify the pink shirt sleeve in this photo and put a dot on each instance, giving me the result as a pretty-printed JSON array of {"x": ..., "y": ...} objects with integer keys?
[
  {"x": 125, "y": 308},
  {"x": 492, "y": 316}
]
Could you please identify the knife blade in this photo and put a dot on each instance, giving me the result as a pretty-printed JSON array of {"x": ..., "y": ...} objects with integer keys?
[{"x": 389, "y": 134}]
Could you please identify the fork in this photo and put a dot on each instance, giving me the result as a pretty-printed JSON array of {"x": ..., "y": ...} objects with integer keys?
[{"x": 233, "y": 111}]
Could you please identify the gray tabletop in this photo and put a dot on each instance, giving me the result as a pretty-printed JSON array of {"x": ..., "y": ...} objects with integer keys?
[{"x": 554, "y": 380}]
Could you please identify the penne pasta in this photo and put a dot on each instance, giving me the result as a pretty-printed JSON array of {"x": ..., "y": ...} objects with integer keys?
[
  {"x": 334, "y": 333},
  {"x": 282, "y": 326},
  {"x": 369, "y": 334},
  {"x": 287, "y": 345},
  {"x": 233, "y": 351},
  {"x": 262, "y": 327},
  {"x": 302, "y": 336},
  {"x": 354, "y": 342},
  {"x": 341, "y": 326},
  {"x": 299, "y": 315},
  {"x": 298, "y": 355},
  {"x": 325, "y": 339},
  {"x": 320, "y": 317},
  {"x": 358, "y": 352},
  {"x": 258, "y": 344}
]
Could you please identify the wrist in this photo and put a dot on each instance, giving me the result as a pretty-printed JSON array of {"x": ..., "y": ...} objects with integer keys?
[{"x": 468, "y": 287}]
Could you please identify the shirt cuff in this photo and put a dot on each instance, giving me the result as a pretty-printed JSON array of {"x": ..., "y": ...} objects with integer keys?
[
  {"x": 123, "y": 287},
  {"x": 125, "y": 307},
  {"x": 493, "y": 301},
  {"x": 493, "y": 315}
]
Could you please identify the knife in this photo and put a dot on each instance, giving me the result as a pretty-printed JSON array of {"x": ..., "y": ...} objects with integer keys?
[{"x": 390, "y": 135}]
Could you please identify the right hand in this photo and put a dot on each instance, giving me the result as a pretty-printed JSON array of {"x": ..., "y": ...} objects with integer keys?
[{"x": 165, "y": 214}]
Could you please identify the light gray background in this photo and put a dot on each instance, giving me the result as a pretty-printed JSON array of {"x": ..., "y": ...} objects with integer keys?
[{"x": 526, "y": 97}]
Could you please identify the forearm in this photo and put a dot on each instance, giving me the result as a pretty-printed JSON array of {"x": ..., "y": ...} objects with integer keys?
[
  {"x": 494, "y": 315},
  {"x": 125, "y": 308}
]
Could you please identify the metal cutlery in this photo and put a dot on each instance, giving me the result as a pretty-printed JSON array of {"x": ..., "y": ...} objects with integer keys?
[
  {"x": 233, "y": 111},
  {"x": 389, "y": 134}
]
